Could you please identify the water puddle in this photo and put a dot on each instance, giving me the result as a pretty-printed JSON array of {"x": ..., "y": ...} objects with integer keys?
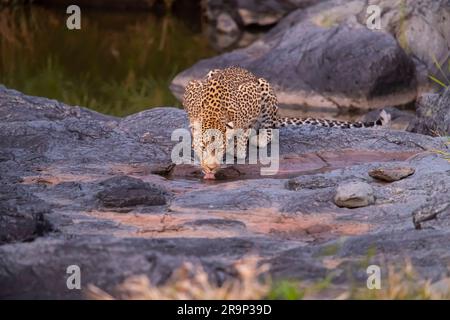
[{"x": 290, "y": 165}]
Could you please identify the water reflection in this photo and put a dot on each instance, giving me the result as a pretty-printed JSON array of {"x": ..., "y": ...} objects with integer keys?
[{"x": 118, "y": 63}]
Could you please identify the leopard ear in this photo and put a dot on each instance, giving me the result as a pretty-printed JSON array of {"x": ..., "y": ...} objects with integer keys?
[
  {"x": 230, "y": 125},
  {"x": 211, "y": 73}
]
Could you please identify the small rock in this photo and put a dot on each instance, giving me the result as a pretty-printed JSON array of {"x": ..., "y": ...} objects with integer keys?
[
  {"x": 354, "y": 194},
  {"x": 228, "y": 173},
  {"x": 186, "y": 171},
  {"x": 162, "y": 169},
  {"x": 391, "y": 174},
  {"x": 428, "y": 212},
  {"x": 226, "y": 24},
  {"x": 124, "y": 191},
  {"x": 146, "y": 138},
  {"x": 259, "y": 18}
]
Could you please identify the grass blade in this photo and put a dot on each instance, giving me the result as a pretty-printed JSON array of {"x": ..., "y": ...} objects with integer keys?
[
  {"x": 437, "y": 81},
  {"x": 438, "y": 65}
]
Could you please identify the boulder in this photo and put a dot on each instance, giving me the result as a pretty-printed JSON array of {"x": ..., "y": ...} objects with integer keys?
[
  {"x": 432, "y": 114},
  {"x": 324, "y": 56},
  {"x": 252, "y": 12}
]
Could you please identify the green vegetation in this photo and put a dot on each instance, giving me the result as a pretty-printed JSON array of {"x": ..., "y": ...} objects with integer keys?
[
  {"x": 445, "y": 82},
  {"x": 442, "y": 153},
  {"x": 329, "y": 250},
  {"x": 400, "y": 283},
  {"x": 286, "y": 290},
  {"x": 118, "y": 63}
]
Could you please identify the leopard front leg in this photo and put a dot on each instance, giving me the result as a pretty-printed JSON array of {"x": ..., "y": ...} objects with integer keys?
[
  {"x": 241, "y": 145},
  {"x": 237, "y": 143},
  {"x": 263, "y": 136}
]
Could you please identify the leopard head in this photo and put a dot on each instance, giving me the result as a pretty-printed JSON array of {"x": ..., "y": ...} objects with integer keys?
[{"x": 210, "y": 141}]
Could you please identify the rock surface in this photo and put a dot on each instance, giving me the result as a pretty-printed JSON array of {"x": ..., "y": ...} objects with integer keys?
[
  {"x": 324, "y": 55},
  {"x": 253, "y": 12},
  {"x": 56, "y": 160},
  {"x": 432, "y": 114},
  {"x": 400, "y": 119}
]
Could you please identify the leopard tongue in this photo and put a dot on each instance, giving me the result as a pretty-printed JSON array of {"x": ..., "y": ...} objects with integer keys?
[{"x": 209, "y": 176}]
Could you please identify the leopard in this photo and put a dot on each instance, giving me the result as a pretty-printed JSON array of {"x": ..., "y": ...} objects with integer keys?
[{"x": 233, "y": 99}]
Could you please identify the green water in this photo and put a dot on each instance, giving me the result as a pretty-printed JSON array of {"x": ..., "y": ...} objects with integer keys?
[{"x": 118, "y": 63}]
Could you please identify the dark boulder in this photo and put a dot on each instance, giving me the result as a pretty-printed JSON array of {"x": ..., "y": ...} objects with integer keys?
[{"x": 325, "y": 56}]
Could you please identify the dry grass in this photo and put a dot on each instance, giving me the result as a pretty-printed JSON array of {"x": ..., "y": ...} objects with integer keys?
[
  {"x": 400, "y": 283},
  {"x": 252, "y": 282},
  {"x": 442, "y": 153},
  {"x": 191, "y": 282},
  {"x": 444, "y": 81},
  {"x": 403, "y": 284}
]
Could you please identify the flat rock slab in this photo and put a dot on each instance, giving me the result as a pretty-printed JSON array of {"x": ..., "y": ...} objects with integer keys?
[
  {"x": 22, "y": 215},
  {"x": 124, "y": 191},
  {"x": 78, "y": 187}
]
